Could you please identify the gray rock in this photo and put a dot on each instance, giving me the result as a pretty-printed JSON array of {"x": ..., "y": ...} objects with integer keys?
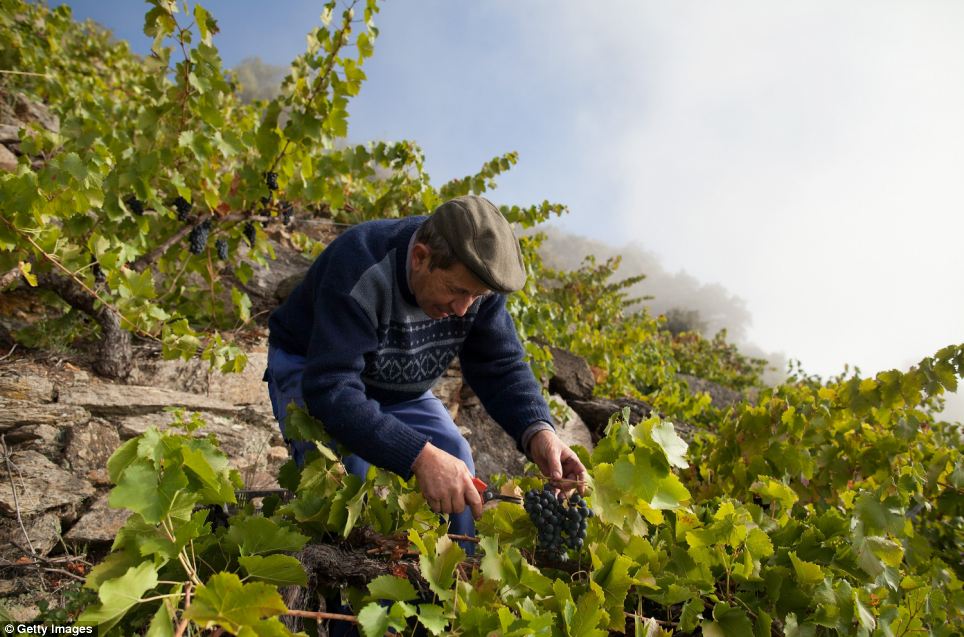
[
  {"x": 572, "y": 430},
  {"x": 250, "y": 448},
  {"x": 104, "y": 399},
  {"x": 100, "y": 524},
  {"x": 28, "y": 110},
  {"x": 42, "y": 438},
  {"x": 595, "y": 413},
  {"x": 15, "y": 414},
  {"x": 43, "y": 530},
  {"x": 190, "y": 376},
  {"x": 90, "y": 445},
  {"x": 8, "y": 161},
  {"x": 196, "y": 377},
  {"x": 9, "y": 133},
  {"x": 493, "y": 449},
  {"x": 448, "y": 388},
  {"x": 27, "y": 387},
  {"x": 573, "y": 379},
  {"x": 721, "y": 396},
  {"x": 246, "y": 387},
  {"x": 41, "y": 485},
  {"x": 263, "y": 286}
]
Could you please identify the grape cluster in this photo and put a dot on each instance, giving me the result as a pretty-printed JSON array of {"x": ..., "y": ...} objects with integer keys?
[
  {"x": 222, "y": 247},
  {"x": 250, "y": 233},
  {"x": 287, "y": 210},
  {"x": 199, "y": 237},
  {"x": 559, "y": 522},
  {"x": 134, "y": 204},
  {"x": 183, "y": 208},
  {"x": 99, "y": 276},
  {"x": 271, "y": 179}
]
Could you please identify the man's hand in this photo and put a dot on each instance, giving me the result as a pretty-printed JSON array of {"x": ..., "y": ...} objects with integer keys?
[
  {"x": 446, "y": 482},
  {"x": 555, "y": 459}
]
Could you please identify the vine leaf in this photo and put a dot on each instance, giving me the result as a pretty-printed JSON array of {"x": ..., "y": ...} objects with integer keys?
[
  {"x": 373, "y": 620},
  {"x": 664, "y": 435},
  {"x": 391, "y": 587},
  {"x": 281, "y": 570},
  {"x": 117, "y": 596},
  {"x": 258, "y": 535},
  {"x": 225, "y": 601},
  {"x": 431, "y": 616},
  {"x": 728, "y": 622},
  {"x": 142, "y": 491}
]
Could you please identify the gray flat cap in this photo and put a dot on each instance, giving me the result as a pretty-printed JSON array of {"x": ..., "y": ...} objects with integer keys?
[{"x": 483, "y": 241}]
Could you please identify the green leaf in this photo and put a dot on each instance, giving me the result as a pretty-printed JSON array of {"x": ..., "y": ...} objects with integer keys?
[
  {"x": 491, "y": 563},
  {"x": 373, "y": 620},
  {"x": 271, "y": 627},
  {"x": 393, "y": 588},
  {"x": 432, "y": 617},
  {"x": 691, "y": 615},
  {"x": 225, "y": 601},
  {"x": 589, "y": 616},
  {"x": 670, "y": 494},
  {"x": 257, "y": 535},
  {"x": 121, "y": 458},
  {"x": 792, "y": 629},
  {"x": 141, "y": 490},
  {"x": 439, "y": 569},
  {"x": 162, "y": 624},
  {"x": 729, "y": 622},
  {"x": 281, "y": 570},
  {"x": 117, "y": 596},
  {"x": 807, "y": 572},
  {"x": 664, "y": 435},
  {"x": 206, "y": 24},
  {"x": 776, "y": 491},
  {"x": 300, "y": 425}
]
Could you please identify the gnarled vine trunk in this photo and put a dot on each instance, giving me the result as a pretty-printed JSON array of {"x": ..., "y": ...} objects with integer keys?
[{"x": 115, "y": 358}]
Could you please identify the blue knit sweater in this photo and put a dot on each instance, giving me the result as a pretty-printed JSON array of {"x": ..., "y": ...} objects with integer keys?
[{"x": 368, "y": 343}]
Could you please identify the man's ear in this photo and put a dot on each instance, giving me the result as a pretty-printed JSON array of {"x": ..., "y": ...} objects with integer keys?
[{"x": 421, "y": 254}]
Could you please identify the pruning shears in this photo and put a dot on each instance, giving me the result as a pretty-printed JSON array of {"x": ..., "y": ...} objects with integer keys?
[{"x": 488, "y": 495}]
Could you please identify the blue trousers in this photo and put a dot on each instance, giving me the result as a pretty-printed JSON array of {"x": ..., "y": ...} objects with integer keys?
[{"x": 425, "y": 414}]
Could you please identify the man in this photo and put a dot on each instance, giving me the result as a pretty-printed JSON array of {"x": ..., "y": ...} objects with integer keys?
[{"x": 378, "y": 318}]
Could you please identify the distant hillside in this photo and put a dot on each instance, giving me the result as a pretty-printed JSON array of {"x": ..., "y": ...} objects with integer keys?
[{"x": 707, "y": 307}]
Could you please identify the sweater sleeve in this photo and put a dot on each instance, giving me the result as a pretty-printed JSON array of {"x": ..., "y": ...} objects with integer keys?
[
  {"x": 335, "y": 394},
  {"x": 494, "y": 365}
]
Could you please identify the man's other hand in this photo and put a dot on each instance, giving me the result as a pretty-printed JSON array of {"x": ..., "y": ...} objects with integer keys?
[
  {"x": 446, "y": 482},
  {"x": 556, "y": 460}
]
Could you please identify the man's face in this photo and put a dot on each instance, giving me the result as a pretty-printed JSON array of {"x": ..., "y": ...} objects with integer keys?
[{"x": 443, "y": 292}]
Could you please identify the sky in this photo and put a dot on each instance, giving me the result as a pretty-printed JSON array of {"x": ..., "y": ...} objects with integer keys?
[{"x": 809, "y": 157}]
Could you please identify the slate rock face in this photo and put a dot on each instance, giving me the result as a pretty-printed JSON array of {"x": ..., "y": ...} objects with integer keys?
[
  {"x": 573, "y": 378},
  {"x": 100, "y": 524},
  {"x": 41, "y": 485}
]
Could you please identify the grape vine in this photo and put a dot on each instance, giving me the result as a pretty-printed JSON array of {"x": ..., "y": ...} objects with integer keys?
[{"x": 818, "y": 508}]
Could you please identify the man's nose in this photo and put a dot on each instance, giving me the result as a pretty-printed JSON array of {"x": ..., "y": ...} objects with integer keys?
[{"x": 460, "y": 306}]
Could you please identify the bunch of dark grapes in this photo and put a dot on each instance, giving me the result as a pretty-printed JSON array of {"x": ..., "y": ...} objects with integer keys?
[
  {"x": 99, "y": 276},
  {"x": 183, "y": 208},
  {"x": 222, "y": 247},
  {"x": 266, "y": 201},
  {"x": 560, "y": 523},
  {"x": 250, "y": 233},
  {"x": 271, "y": 179},
  {"x": 287, "y": 210},
  {"x": 134, "y": 204},
  {"x": 199, "y": 237}
]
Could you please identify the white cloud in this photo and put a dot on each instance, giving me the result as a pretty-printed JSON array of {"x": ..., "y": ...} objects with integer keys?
[{"x": 807, "y": 157}]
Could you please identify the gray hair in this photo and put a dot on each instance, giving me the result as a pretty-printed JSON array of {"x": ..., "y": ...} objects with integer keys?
[{"x": 441, "y": 254}]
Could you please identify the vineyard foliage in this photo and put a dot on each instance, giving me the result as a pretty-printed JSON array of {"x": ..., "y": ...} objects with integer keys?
[{"x": 818, "y": 508}]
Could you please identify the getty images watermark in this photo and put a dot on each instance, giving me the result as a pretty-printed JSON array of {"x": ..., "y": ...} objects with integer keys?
[{"x": 39, "y": 628}]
